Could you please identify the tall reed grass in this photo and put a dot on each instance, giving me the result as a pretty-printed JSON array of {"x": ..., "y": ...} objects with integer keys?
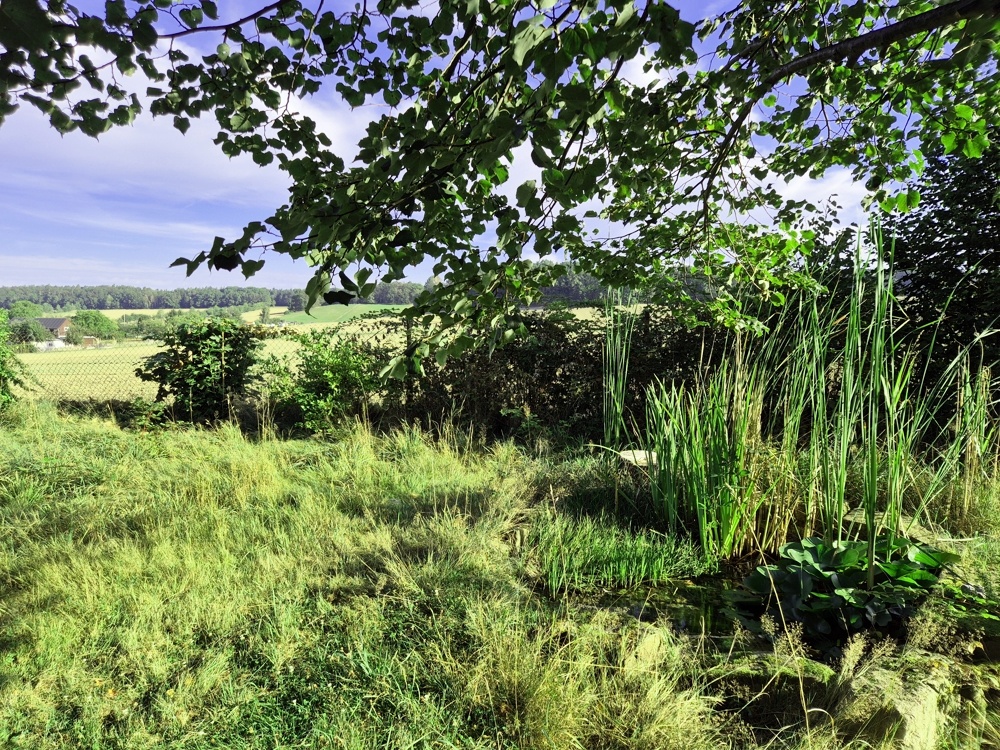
[
  {"x": 620, "y": 322},
  {"x": 828, "y": 426}
]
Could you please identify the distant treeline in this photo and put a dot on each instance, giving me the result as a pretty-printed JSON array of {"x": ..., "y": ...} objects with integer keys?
[
  {"x": 60, "y": 298},
  {"x": 571, "y": 287}
]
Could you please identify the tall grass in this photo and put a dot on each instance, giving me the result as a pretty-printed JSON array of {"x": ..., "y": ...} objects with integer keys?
[
  {"x": 829, "y": 415},
  {"x": 194, "y": 589},
  {"x": 577, "y": 554},
  {"x": 619, "y": 325}
]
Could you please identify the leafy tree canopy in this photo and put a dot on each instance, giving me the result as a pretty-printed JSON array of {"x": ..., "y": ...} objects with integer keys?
[
  {"x": 27, "y": 330},
  {"x": 679, "y": 165},
  {"x": 947, "y": 251},
  {"x": 25, "y": 309},
  {"x": 94, "y": 323}
]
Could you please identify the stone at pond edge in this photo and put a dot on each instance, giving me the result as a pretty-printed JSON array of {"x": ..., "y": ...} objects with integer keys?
[{"x": 642, "y": 459}]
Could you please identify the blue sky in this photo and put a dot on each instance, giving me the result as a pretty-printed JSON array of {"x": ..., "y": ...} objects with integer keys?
[{"x": 120, "y": 209}]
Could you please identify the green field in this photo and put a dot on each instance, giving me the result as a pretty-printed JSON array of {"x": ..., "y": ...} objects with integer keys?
[
  {"x": 194, "y": 589},
  {"x": 336, "y": 313},
  {"x": 103, "y": 373}
]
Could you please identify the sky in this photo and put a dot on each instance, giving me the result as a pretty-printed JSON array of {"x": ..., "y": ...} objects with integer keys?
[{"x": 119, "y": 209}]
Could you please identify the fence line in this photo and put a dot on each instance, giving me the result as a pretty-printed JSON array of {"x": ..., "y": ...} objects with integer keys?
[{"x": 107, "y": 372}]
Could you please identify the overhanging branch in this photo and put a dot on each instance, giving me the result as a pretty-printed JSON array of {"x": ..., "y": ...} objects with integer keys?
[{"x": 849, "y": 49}]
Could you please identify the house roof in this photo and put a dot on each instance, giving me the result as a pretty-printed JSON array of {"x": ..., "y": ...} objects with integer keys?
[{"x": 52, "y": 322}]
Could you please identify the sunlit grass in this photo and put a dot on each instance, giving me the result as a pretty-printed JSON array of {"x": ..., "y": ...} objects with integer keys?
[{"x": 190, "y": 588}]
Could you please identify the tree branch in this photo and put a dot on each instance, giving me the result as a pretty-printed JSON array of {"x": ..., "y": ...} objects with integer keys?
[
  {"x": 849, "y": 49},
  {"x": 225, "y": 26}
]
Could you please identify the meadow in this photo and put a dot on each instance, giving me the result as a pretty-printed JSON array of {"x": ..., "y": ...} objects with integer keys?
[
  {"x": 805, "y": 557},
  {"x": 336, "y": 313},
  {"x": 190, "y": 588}
]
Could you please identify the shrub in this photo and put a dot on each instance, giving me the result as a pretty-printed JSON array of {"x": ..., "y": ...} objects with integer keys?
[
  {"x": 12, "y": 370},
  {"x": 205, "y": 366},
  {"x": 334, "y": 379},
  {"x": 95, "y": 323},
  {"x": 553, "y": 378},
  {"x": 28, "y": 330}
]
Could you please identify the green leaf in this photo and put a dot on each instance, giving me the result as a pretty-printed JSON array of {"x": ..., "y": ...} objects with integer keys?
[
  {"x": 525, "y": 193},
  {"x": 24, "y": 25},
  {"x": 529, "y": 36},
  {"x": 338, "y": 297},
  {"x": 250, "y": 267}
]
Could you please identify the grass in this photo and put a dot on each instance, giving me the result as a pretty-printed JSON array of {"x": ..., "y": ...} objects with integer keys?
[
  {"x": 582, "y": 553},
  {"x": 195, "y": 589},
  {"x": 192, "y": 589},
  {"x": 103, "y": 373},
  {"x": 793, "y": 432}
]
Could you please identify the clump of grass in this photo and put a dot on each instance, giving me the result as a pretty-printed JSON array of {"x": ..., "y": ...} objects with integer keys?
[
  {"x": 829, "y": 415},
  {"x": 579, "y": 553},
  {"x": 619, "y": 324}
]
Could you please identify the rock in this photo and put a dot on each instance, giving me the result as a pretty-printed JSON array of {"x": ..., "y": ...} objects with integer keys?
[{"x": 642, "y": 459}]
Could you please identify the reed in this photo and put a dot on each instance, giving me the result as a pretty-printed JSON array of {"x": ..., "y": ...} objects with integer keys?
[
  {"x": 620, "y": 322},
  {"x": 830, "y": 415}
]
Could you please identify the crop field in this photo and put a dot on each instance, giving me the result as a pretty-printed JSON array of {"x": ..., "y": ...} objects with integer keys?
[
  {"x": 118, "y": 313},
  {"x": 336, "y": 313},
  {"x": 106, "y": 372}
]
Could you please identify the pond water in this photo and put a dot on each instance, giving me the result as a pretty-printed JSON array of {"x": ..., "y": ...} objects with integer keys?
[{"x": 693, "y": 607}]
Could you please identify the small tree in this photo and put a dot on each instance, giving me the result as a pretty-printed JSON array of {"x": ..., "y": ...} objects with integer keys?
[
  {"x": 25, "y": 309},
  {"x": 12, "y": 371},
  {"x": 947, "y": 252},
  {"x": 205, "y": 366},
  {"x": 297, "y": 301},
  {"x": 28, "y": 331},
  {"x": 334, "y": 380},
  {"x": 95, "y": 323}
]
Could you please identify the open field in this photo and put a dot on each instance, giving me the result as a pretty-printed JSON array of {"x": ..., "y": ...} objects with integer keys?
[
  {"x": 106, "y": 372},
  {"x": 117, "y": 314},
  {"x": 253, "y": 316},
  {"x": 336, "y": 313}
]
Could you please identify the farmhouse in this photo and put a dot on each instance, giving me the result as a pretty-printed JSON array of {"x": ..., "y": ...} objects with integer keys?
[{"x": 56, "y": 326}]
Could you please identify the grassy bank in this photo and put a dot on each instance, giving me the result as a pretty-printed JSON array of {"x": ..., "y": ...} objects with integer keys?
[{"x": 193, "y": 589}]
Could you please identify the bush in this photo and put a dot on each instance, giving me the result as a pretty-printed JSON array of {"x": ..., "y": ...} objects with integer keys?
[
  {"x": 334, "y": 379},
  {"x": 29, "y": 330},
  {"x": 12, "y": 370},
  {"x": 95, "y": 323},
  {"x": 552, "y": 379},
  {"x": 205, "y": 367}
]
